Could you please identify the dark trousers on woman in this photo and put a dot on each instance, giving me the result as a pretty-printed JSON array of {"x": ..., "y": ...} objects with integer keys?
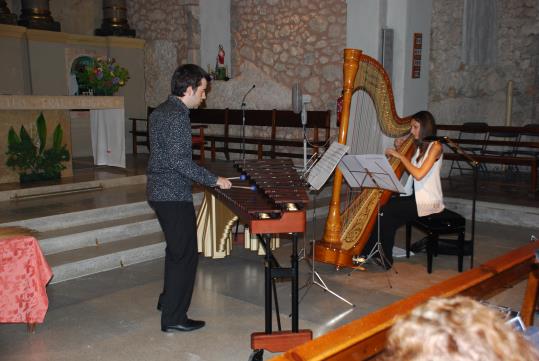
[
  {"x": 394, "y": 214},
  {"x": 178, "y": 221}
]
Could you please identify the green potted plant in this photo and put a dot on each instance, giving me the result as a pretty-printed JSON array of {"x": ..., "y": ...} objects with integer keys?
[{"x": 29, "y": 157}]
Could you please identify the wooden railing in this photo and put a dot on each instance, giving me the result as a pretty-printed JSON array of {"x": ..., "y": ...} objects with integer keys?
[{"x": 366, "y": 337}]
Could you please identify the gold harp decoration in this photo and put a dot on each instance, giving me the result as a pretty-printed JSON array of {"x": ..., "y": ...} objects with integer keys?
[{"x": 346, "y": 233}]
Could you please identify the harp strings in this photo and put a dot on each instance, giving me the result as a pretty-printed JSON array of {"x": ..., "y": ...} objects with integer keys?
[{"x": 366, "y": 134}]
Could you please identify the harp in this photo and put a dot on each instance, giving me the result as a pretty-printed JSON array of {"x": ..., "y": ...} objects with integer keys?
[{"x": 347, "y": 232}]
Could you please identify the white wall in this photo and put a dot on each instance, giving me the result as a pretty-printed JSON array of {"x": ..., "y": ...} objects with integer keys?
[
  {"x": 215, "y": 30},
  {"x": 365, "y": 20},
  {"x": 406, "y": 17},
  {"x": 409, "y": 17}
]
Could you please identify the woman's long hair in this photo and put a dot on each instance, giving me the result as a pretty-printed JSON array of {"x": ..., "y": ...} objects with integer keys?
[{"x": 427, "y": 128}]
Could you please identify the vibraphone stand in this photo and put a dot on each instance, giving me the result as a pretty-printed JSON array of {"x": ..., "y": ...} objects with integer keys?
[{"x": 279, "y": 341}]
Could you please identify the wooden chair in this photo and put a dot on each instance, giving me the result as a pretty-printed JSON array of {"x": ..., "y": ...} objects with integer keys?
[
  {"x": 139, "y": 131},
  {"x": 198, "y": 139},
  {"x": 475, "y": 131},
  {"x": 530, "y": 134},
  {"x": 444, "y": 223},
  {"x": 140, "y": 128},
  {"x": 492, "y": 147}
]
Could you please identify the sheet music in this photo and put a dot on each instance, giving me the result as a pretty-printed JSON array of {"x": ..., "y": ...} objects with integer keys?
[
  {"x": 370, "y": 171},
  {"x": 321, "y": 171}
]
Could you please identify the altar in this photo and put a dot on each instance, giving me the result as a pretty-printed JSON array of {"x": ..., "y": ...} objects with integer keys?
[{"x": 107, "y": 118}]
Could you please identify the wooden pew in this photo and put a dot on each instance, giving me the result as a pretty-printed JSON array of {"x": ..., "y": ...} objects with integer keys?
[
  {"x": 502, "y": 159},
  {"x": 365, "y": 337},
  {"x": 511, "y": 157},
  {"x": 279, "y": 122}
]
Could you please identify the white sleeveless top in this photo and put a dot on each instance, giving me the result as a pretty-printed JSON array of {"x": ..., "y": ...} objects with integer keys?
[{"x": 428, "y": 190}]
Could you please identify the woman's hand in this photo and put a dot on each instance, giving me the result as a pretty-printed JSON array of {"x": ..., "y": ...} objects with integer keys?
[
  {"x": 223, "y": 183},
  {"x": 398, "y": 141},
  {"x": 393, "y": 153}
]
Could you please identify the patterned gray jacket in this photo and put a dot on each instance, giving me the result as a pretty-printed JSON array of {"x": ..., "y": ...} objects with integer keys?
[{"x": 171, "y": 169}]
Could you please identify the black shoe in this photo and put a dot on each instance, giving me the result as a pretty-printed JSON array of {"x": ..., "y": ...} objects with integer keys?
[{"x": 188, "y": 325}]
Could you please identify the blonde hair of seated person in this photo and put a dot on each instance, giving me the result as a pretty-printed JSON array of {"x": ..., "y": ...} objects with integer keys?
[{"x": 456, "y": 329}]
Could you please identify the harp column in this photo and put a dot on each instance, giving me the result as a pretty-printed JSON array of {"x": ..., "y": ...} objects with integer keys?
[{"x": 332, "y": 231}]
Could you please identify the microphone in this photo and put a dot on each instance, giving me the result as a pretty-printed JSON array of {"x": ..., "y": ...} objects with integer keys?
[
  {"x": 432, "y": 138},
  {"x": 245, "y": 96}
]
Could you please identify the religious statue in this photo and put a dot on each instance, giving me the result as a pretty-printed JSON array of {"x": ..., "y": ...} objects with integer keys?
[{"x": 220, "y": 67}]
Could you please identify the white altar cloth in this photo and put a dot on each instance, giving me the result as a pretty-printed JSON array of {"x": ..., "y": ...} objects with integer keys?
[{"x": 108, "y": 136}]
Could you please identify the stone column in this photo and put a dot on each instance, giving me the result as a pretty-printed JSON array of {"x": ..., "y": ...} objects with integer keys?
[
  {"x": 35, "y": 14},
  {"x": 114, "y": 19},
  {"x": 6, "y": 17},
  {"x": 193, "y": 34}
]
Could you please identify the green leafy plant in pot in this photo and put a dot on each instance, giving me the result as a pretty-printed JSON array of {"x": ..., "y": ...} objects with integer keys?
[{"x": 29, "y": 157}]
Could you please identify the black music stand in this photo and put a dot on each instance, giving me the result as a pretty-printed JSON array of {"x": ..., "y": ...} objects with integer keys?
[
  {"x": 474, "y": 163},
  {"x": 371, "y": 171},
  {"x": 316, "y": 178}
]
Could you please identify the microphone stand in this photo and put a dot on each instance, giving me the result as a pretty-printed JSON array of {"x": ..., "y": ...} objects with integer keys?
[
  {"x": 475, "y": 165},
  {"x": 243, "y": 122}
]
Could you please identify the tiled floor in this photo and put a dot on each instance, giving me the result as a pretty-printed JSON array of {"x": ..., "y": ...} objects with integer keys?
[{"x": 112, "y": 315}]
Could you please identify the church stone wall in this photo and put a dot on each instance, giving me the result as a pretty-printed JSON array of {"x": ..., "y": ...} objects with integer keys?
[
  {"x": 288, "y": 41},
  {"x": 461, "y": 92},
  {"x": 172, "y": 33}
]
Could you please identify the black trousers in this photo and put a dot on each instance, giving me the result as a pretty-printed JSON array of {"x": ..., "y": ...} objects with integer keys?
[
  {"x": 178, "y": 221},
  {"x": 394, "y": 214}
]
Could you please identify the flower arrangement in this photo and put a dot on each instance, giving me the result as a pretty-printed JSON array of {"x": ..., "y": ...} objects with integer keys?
[{"x": 104, "y": 77}]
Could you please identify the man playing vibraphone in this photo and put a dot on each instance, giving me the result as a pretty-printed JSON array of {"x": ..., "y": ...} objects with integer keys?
[{"x": 170, "y": 173}]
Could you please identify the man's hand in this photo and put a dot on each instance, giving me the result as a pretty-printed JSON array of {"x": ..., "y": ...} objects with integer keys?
[{"x": 223, "y": 183}]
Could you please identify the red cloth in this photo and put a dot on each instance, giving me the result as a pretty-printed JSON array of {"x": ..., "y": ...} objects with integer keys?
[{"x": 24, "y": 273}]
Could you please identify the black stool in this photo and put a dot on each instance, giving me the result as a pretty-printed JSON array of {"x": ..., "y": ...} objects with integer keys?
[{"x": 444, "y": 223}]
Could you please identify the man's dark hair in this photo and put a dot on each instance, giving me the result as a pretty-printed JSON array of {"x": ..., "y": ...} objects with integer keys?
[{"x": 185, "y": 76}]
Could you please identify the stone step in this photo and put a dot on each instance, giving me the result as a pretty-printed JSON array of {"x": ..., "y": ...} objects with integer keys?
[
  {"x": 73, "y": 219},
  {"x": 498, "y": 213},
  {"x": 17, "y": 210},
  {"x": 93, "y": 215},
  {"x": 69, "y": 185},
  {"x": 97, "y": 233},
  {"x": 103, "y": 257}
]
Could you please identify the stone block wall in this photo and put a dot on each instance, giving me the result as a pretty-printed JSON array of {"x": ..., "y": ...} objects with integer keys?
[
  {"x": 461, "y": 92},
  {"x": 283, "y": 41},
  {"x": 292, "y": 40},
  {"x": 171, "y": 30}
]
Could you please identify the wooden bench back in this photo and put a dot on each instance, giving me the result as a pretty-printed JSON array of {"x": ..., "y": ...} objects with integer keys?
[
  {"x": 512, "y": 132},
  {"x": 366, "y": 337},
  {"x": 268, "y": 118},
  {"x": 273, "y": 119}
]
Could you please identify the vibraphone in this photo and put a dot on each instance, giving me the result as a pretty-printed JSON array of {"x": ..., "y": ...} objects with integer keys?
[{"x": 277, "y": 205}]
